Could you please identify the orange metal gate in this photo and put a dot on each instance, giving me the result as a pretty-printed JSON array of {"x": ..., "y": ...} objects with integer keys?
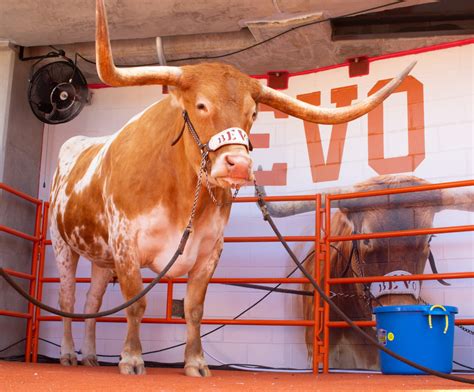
[
  {"x": 322, "y": 240},
  {"x": 329, "y": 238},
  {"x": 32, "y": 277},
  {"x": 168, "y": 319}
]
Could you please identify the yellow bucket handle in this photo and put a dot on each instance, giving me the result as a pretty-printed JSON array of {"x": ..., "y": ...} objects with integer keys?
[{"x": 446, "y": 317}]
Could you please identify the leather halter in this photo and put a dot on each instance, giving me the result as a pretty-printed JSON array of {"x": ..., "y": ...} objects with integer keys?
[
  {"x": 205, "y": 150},
  {"x": 204, "y": 147}
]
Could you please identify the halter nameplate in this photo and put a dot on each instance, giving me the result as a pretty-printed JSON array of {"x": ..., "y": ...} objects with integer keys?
[
  {"x": 232, "y": 135},
  {"x": 411, "y": 287}
]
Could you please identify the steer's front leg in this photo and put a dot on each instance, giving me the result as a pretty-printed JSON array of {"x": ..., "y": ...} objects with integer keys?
[
  {"x": 130, "y": 280},
  {"x": 198, "y": 278}
]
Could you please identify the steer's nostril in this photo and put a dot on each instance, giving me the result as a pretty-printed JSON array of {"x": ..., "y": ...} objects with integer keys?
[
  {"x": 238, "y": 166},
  {"x": 230, "y": 161}
]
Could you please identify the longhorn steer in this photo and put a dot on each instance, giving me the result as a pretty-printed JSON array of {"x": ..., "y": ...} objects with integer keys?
[
  {"x": 371, "y": 257},
  {"x": 122, "y": 201}
]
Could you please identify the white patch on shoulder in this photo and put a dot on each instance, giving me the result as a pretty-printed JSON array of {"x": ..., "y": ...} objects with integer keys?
[
  {"x": 85, "y": 181},
  {"x": 68, "y": 155},
  {"x": 95, "y": 164}
]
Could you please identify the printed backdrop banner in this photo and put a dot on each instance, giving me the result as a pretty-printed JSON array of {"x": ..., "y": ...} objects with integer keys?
[{"x": 424, "y": 129}]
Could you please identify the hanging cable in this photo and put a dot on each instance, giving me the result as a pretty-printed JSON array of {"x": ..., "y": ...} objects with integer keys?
[
  {"x": 11, "y": 345},
  {"x": 282, "y": 33},
  {"x": 220, "y": 56}
]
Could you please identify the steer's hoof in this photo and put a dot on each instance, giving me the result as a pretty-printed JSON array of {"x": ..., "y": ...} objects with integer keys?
[
  {"x": 90, "y": 360},
  {"x": 195, "y": 371},
  {"x": 132, "y": 365},
  {"x": 68, "y": 360}
]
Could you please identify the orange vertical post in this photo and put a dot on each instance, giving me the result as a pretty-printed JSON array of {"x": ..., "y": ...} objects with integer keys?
[
  {"x": 327, "y": 274},
  {"x": 169, "y": 299},
  {"x": 317, "y": 298},
  {"x": 39, "y": 289},
  {"x": 322, "y": 258},
  {"x": 32, "y": 289}
]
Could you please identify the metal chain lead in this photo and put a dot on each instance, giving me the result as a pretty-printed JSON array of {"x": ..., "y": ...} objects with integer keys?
[
  {"x": 348, "y": 295},
  {"x": 202, "y": 169},
  {"x": 467, "y": 330},
  {"x": 211, "y": 193}
]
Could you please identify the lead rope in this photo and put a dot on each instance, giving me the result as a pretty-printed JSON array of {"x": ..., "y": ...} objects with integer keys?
[
  {"x": 266, "y": 216},
  {"x": 179, "y": 251}
]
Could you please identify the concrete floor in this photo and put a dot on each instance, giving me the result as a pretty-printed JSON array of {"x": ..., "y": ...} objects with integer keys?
[{"x": 20, "y": 377}]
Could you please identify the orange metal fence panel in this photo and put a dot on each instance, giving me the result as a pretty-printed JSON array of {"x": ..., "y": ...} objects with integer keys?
[
  {"x": 322, "y": 239},
  {"x": 401, "y": 233},
  {"x": 316, "y": 239},
  {"x": 36, "y": 240}
]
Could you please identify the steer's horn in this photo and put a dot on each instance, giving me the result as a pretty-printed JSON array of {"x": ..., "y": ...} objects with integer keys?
[
  {"x": 446, "y": 199},
  {"x": 305, "y": 111},
  {"x": 290, "y": 208},
  {"x": 283, "y": 209},
  {"x": 457, "y": 199},
  {"x": 126, "y": 76}
]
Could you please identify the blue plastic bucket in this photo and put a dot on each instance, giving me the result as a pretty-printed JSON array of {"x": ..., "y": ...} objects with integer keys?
[{"x": 422, "y": 333}]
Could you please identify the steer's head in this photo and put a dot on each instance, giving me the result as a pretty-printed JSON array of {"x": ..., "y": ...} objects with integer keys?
[
  {"x": 405, "y": 255},
  {"x": 221, "y": 103}
]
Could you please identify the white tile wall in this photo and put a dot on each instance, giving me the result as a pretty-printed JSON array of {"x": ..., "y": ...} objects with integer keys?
[{"x": 449, "y": 130}]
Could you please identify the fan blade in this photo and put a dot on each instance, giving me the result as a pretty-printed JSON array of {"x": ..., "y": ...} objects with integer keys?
[{"x": 50, "y": 115}]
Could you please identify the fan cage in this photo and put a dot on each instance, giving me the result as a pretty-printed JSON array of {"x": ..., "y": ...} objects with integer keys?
[{"x": 57, "y": 92}]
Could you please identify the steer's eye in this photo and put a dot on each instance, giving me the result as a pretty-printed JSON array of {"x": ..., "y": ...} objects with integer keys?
[
  {"x": 366, "y": 242},
  {"x": 254, "y": 116},
  {"x": 201, "y": 106}
]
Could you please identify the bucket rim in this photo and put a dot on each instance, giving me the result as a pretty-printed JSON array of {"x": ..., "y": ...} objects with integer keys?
[{"x": 410, "y": 308}]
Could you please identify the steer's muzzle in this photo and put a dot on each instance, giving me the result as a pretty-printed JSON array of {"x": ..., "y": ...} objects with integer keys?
[
  {"x": 232, "y": 168},
  {"x": 238, "y": 166}
]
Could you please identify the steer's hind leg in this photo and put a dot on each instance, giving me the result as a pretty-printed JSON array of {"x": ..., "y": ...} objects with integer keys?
[
  {"x": 66, "y": 260},
  {"x": 130, "y": 279},
  {"x": 198, "y": 278},
  {"x": 100, "y": 277}
]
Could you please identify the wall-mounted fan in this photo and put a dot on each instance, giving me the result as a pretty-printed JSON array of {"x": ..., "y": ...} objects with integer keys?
[{"x": 57, "y": 92}]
